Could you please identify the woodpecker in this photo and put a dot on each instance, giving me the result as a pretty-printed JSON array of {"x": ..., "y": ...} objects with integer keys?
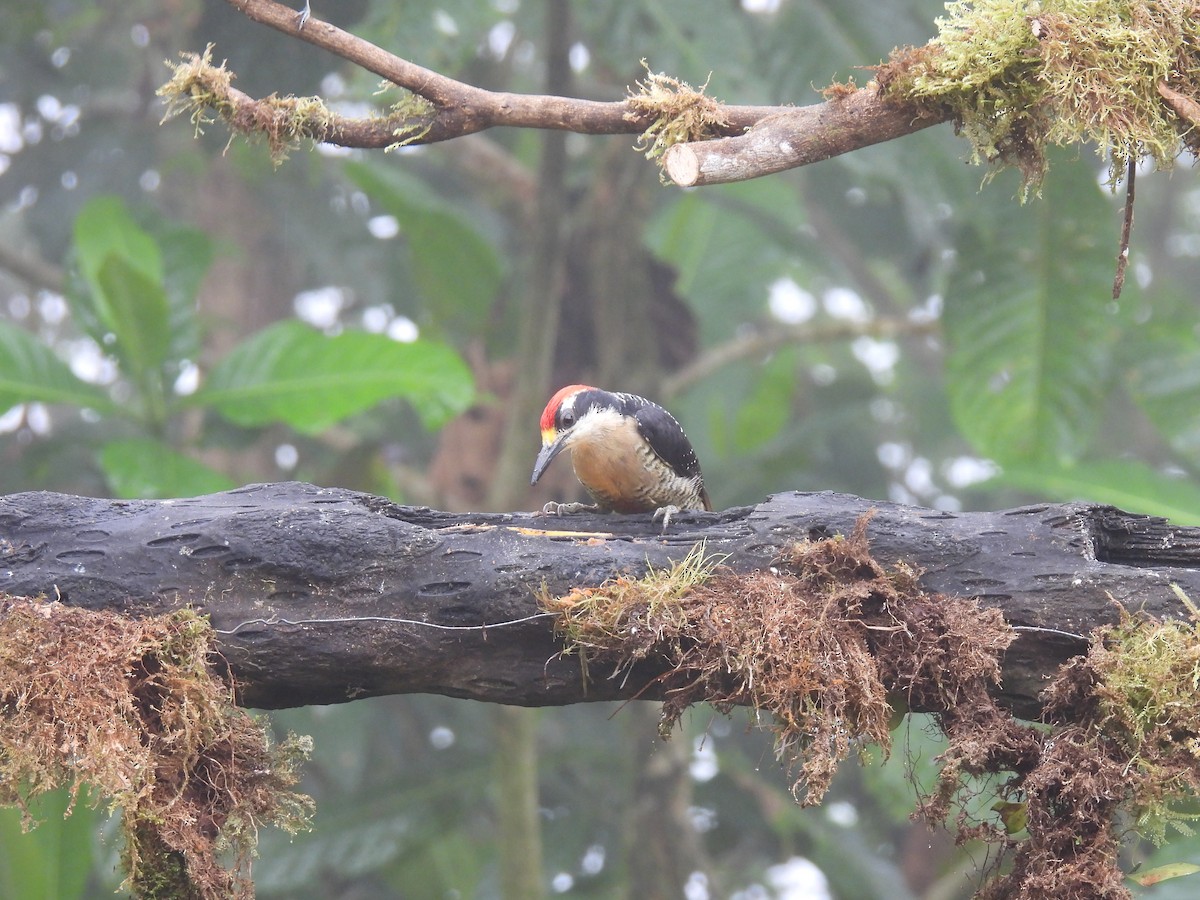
[{"x": 630, "y": 454}]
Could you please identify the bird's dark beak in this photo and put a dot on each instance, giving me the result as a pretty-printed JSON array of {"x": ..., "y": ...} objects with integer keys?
[{"x": 547, "y": 453}]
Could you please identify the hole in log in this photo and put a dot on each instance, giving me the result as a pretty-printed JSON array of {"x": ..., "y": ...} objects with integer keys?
[
  {"x": 173, "y": 539},
  {"x": 210, "y": 550},
  {"x": 461, "y": 554},
  {"x": 79, "y": 556}
]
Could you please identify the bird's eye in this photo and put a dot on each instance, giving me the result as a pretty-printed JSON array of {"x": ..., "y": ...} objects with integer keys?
[{"x": 567, "y": 418}]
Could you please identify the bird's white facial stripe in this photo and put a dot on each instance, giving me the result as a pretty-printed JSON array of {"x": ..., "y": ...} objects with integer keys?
[
  {"x": 568, "y": 403},
  {"x": 596, "y": 424}
]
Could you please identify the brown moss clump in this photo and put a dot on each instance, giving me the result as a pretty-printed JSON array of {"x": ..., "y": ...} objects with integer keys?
[
  {"x": 1017, "y": 77},
  {"x": 131, "y": 707},
  {"x": 821, "y": 640},
  {"x": 1123, "y": 752},
  {"x": 679, "y": 111},
  {"x": 802, "y": 642}
]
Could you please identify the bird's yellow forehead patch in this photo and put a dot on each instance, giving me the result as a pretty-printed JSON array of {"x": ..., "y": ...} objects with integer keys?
[{"x": 548, "y": 436}]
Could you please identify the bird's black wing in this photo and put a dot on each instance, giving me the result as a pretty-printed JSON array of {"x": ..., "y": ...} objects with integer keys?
[{"x": 665, "y": 436}]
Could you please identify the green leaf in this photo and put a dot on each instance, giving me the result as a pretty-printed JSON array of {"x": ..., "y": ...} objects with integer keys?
[
  {"x": 138, "y": 313},
  {"x": 52, "y": 861},
  {"x": 727, "y": 247},
  {"x": 1015, "y": 816},
  {"x": 122, "y": 302},
  {"x": 1132, "y": 486},
  {"x": 187, "y": 255},
  {"x": 291, "y": 373},
  {"x": 1164, "y": 379},
  {"x": 1029, "y": 322},
  {"x": 105, "y": 228},
  {"x": 1164, "y": 872},
  {"x": 143, "y": 468},
  {"x": 31, "y": 372},
  {"x": 456, "y": 269},
  {"x": 763, "y": 414}
]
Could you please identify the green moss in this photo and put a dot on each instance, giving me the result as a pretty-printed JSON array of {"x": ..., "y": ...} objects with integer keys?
[
  {"x": 1018, "y": 76},
  {"x": 1149, "y": 675},
  {"x": 203, "y": 92},
  {"x": 680, "y": 113},
  {"x": 198, "y": 89},
  {"x": 595, "y": 620},
  {"x": 414, "y": 112}
]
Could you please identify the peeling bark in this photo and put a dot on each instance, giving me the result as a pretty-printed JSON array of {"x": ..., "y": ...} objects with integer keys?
[{"x": 261, "y": 557}]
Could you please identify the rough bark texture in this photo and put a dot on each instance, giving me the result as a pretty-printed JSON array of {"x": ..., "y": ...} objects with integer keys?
[
  {"x": 257, "y": 556},
  {"x": 795, "y": 137}
]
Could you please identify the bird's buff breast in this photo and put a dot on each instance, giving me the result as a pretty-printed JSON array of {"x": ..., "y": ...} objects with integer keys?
[{"x": 618, "y": 474}]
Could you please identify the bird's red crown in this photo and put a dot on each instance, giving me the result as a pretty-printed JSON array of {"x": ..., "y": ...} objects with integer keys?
[{"x": 552, "y": 407}]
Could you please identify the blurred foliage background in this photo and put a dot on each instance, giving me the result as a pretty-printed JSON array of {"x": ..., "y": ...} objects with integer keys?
[{"x": 177, "y": 316}]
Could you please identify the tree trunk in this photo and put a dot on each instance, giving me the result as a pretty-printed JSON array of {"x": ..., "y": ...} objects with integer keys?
[{"x": 305, "y": 584}]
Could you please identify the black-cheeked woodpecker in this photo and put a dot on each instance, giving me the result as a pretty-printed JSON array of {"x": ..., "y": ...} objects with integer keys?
[{"x": 629, "y": 453}]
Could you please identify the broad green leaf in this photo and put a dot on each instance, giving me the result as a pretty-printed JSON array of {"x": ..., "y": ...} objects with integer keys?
[
  {"x": 51, "y": 862},
  {"x": 1164, "y": 380},
  {"x": 1164, "y": 873},
  {"x": 143, "y": 468},
  {"x": 138, "y": 314},
  {"x": 1130, "y": 485},
  {"x": 291, "y": 373},
  {"x": 1029, "y": 323},
  {"x": 187, "y": 255},
  {"x": 763, "y": 414},
  {"x": 726, "y": 248},
  {"x": 31, "y": 372},
  {"x": 105, "y": 228},
  {"x": 456, "y": 269}
]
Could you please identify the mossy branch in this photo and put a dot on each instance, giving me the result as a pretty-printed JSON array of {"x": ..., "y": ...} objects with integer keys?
[
  {"x": 819, "y": 643},
  {"x": 204, "y": 92},
  {"x": 1014, "y": 78},
  {"x": 680, "y": 113},
  {"x": 459, "y": 594},
  {"x": 1017, "y": 78}
]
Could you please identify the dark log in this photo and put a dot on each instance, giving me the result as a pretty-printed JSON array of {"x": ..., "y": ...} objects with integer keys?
[{"x": 262, "y": 557}]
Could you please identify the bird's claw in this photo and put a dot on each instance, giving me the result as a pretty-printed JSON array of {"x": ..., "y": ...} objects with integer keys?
[
  {"x": 302, "y": 16},
  {"x": 665, "y": 513},
  {"x": 566, "y": 509}
]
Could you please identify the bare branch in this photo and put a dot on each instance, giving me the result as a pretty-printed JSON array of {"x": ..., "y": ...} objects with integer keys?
[
  {"x": 795, "y": 137},
  {"x": 764, "y": 341},
  {"x": 1126, "y": 228},
  {"x": 32, "y": 269}
]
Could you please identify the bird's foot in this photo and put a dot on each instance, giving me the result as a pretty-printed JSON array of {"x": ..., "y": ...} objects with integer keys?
[
  {"x": 665, "y": 513},
  {"x": 566, "y": 509},
  {"x": 302, "y": 16}
]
